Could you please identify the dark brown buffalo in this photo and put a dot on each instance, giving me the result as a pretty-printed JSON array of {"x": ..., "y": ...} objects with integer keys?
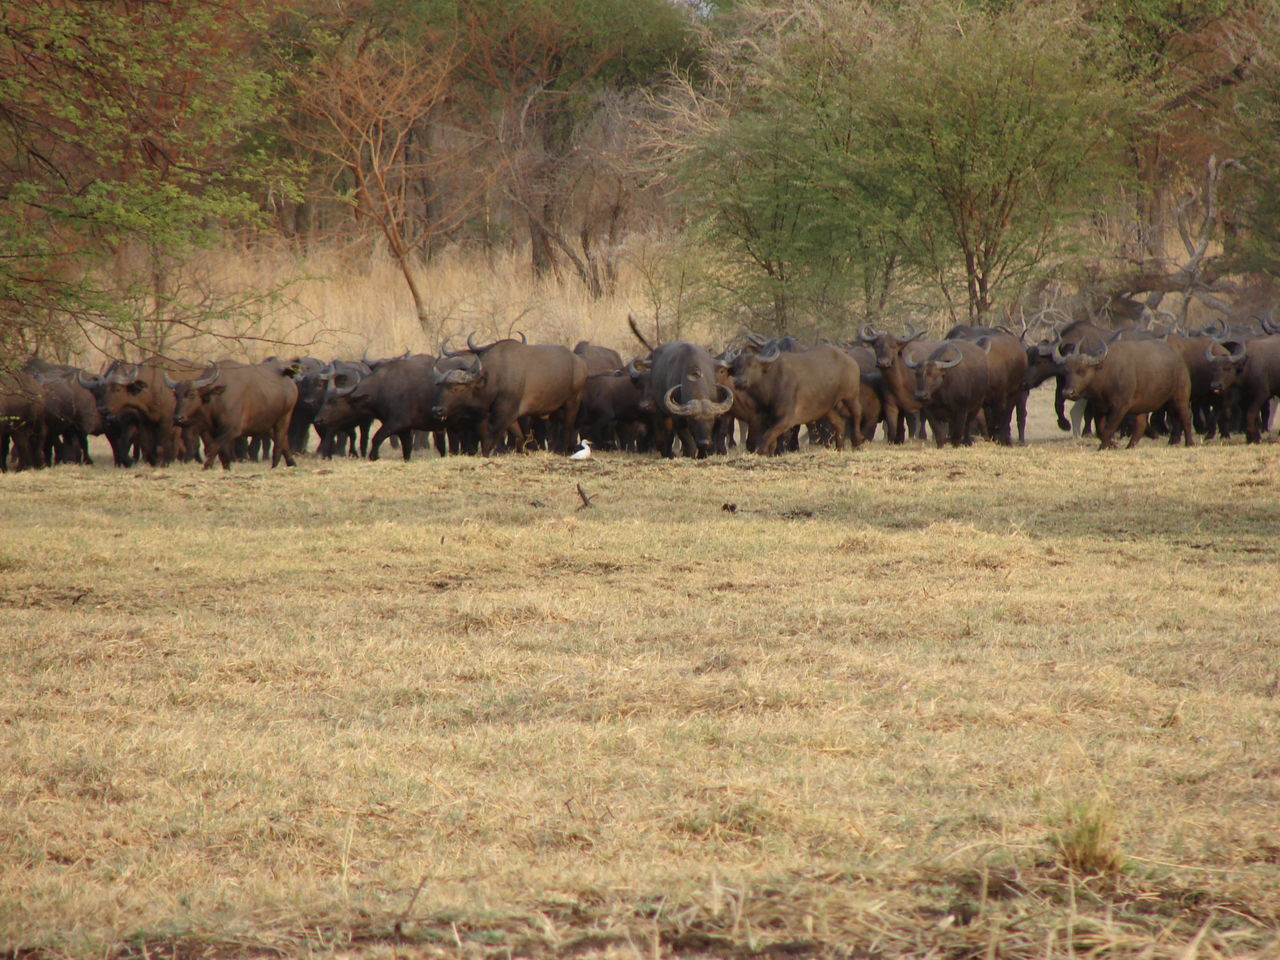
[
  {"x": 899, "y": 399},
  {"x": 231, "y": 401},
  {"x": 1006, "y": 371},
  {"x": 599, "y": 359},
  {"x": 506, "y": 381},
  {"x": 746, "y": 410},
  {"x": 320, "y": 388},
  {"x": 137, "y": 397},
  {"x": 1259, "y": 382},
  {"x": 310, "y": 400},
  {"x": 613, "y": 414},
  {"x": 952, "y": 383},
  {"x": 402, "y": 394},
  {"x": 1041, "y": 365},
  {"x": 872, "y": 399},
  {"x": 22, "y": 421},
  {"x": 1128, "y": 377},
  {"x": 790, "y": 389},
  {"x": 686, "y": 395},
  {"x": 70, "y": 413}
]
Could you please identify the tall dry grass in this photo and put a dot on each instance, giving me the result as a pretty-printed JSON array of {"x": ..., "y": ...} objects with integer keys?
[
  {"x": 344, "y": 301},
  {"x": 1016, "y": 703}
]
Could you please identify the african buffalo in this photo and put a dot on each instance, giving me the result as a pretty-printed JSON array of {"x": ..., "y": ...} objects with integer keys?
[
  {"x": 137, "y": 397},
  {"x": 790, "y": 389},
  {"x": 336, "y": 423},
  {"x": 899, "y": 399},
  {"x": 952, "y": 382},
  {"x": 1259, "y": 382},
  {"x": 685, "y": 395},
  {"x": 1128, "y": 377},
  {"x": 70, "y": 413},
  {"x": 599, "y": 359},
  {"x": 1006, "y": 371},
  {"x": 402, "y": 394},
  {"x": 508, "y": 380},
  {"x": 233, "y": 400},
  {"x": 22, "y": 421}
]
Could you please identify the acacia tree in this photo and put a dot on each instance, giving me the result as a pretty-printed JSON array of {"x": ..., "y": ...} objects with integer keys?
[
  {"x": 364, "y": 103},
  {"x": 124, "y": 128},
  {"x": 865, "y": 148},
  {"x": 546, "y": 76},
  {"x": 987, "y": 134}
]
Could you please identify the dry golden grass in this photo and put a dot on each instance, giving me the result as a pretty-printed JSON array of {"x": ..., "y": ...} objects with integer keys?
[
  {"x": 883, "y": 708},
  {"x": 346, "y": 301}
]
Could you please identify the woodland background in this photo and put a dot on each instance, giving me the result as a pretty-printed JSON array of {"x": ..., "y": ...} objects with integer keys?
[{"x": 377, "y": 175}]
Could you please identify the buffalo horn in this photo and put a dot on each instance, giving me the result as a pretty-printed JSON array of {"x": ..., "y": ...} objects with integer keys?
[
  {"x": 868, "y": 333},
  {"x": 1235, "y": 350},
  {"x": 770, "y": 355},
  {"x": 211, "y": 374},
  {"x": 946, "y": 364},
  {"x": 123, "y": 373},
  {"x": 1056, "y": 353},
  {"x": 1095, "y": 357},
  {"x": 722, "y": 407},
  {"x": 1268, "y": 325},
  {"x": 446, "y": 352},
  {"x": 701, "y": 409},
  {"x": 87, "y": 382}
]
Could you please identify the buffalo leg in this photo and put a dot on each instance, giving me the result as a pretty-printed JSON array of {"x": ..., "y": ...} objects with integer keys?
[
  {"x": 1140, "y": 421},
  {"x": 1108, "y": 424}
]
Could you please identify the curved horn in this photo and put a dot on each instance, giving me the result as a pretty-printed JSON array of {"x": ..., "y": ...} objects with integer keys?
[
  {"x": 912, "y": 333},
  {"x": 123, "y": 373},
  {"x": 911, "y": 364},
  {"x": 446, "y": 352},
  {"x": 1216, "y": 329},
  {"x": 1084, "y": 349},
  {"x": 88, "y": 383},
  {"x": 719, "y": 408},
  {"x": 471, "y": 344},
  {"x": 345, "y": 391},
  {"x": 207, "y": 378},
  {"x": 679, "y": 409},
  {"x": 946, "y": 364},
  {"x": 1056, "y": 353},
  {"x": 770, "y": 355},
  {"x": 755, "y": 338},
  {"x": 1268, "y": 325},
  {"x": 868, "y": 333},
  {"x": 1236, "y": 351}
]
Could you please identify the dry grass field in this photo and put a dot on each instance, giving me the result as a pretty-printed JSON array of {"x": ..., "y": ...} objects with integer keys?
[{"x": 998, "y": 703}]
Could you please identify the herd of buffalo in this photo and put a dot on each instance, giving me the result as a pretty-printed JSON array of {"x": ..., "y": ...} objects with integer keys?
[{"x": 514, "y": 395}]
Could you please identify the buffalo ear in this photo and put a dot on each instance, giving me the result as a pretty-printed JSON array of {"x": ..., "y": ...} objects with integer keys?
[
  {"x": 137, "y": 386},
  {"x": 213, "y": 391}
]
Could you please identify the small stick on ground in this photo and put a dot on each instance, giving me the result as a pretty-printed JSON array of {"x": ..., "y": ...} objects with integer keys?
[{"x": 586, "y": 500}]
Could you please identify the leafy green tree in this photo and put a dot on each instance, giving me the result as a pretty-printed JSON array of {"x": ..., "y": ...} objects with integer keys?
[
  {"x": 123, "y": 149},
  {"x": 935, "y": 141}
]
